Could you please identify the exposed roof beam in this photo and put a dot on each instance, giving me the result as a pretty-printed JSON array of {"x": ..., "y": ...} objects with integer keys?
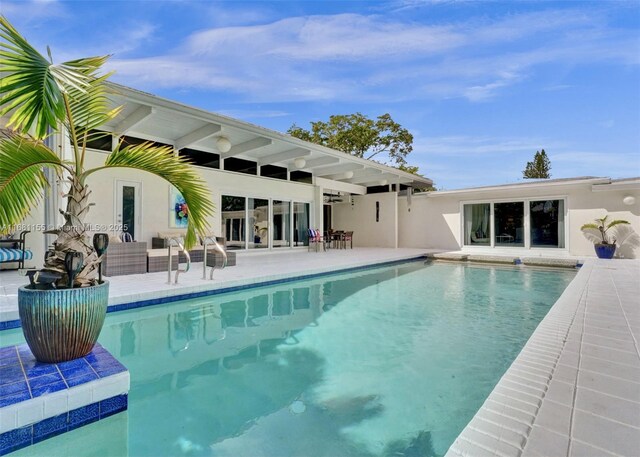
[
  {"x": 247, "y": 146},
  {"x": 390, "y": 178},
  {"x": 197, "y": 135},
  {"x": 341, "y": 168},
  {"x": 367, "y": 172},
  {"x": 284, "y": 156},
  {"x": 320, "y": 161},
  {"x": 340, "y": 176},
  {"x": 134, "y": 119}
]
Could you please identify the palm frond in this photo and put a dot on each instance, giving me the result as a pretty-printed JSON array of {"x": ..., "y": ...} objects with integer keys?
[
  {"x": 22, "y": 180},
  {"x": 616, "y": 222},
  {"x": 28, "y": 87},
  {"x": 89, "y": 105},
  {"x": 628, "y": 241},
  {"x": 161, "y": 161},
  {"x": 33, "y": 88},
  {"x": 592, "y": 234}
]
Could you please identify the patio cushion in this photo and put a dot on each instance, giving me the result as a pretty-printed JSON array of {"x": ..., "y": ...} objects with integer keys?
[{"x": 14, "y": 255}]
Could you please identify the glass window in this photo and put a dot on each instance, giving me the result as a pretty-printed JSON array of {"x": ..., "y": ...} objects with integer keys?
[
  {"x": 258, "y": 222},
  {"x": 201, "y": 158},
  {"x": 301, "y": 176},
  {"x": 509, "y": 223},
  {"x": 272, "y": 171},
  {"x": 477, "y": 226},
  {"x": 134, "y": 141},
  {"x": 97, "y": 139},
  {"x": 301, "y": 224},
  {"x": 281, "y": 224},
  {"x": 233, "y": 221},
  {"x": 547, "y": 223},
  {"x": 241, "y": 166}
]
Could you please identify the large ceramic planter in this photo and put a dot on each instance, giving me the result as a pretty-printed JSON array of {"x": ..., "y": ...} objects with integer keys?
[
  {"x": 605, "y": 251},
  {"x": 62, "y": 324}
]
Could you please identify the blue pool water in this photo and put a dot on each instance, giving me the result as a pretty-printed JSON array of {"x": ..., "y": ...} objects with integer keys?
[{"x": 392, "y": 361}]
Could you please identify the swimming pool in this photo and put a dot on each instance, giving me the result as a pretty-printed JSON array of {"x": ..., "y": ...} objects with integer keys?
[{"x": 383, "y": 362}]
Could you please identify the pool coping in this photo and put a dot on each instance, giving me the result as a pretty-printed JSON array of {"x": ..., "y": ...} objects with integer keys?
[
  {"x": 572, "y": 390},
  {"x": 139, "y": 300}
]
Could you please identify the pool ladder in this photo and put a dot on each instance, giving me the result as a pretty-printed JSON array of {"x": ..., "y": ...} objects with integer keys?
[
  {"x": 177, "y": 242},
  {"x": 206, "y": 240}
]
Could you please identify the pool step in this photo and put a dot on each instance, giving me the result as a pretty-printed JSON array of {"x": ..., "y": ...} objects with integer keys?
[{"x": 42, "y": 400}]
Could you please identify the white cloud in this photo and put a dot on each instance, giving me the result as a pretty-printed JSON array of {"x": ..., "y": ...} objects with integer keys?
[{"x": 354, "y": 56}]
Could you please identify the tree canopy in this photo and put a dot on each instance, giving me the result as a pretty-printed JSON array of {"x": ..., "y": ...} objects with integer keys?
[
  {"x": 539, "y": 168},
  {"x": 358, "y": 135}
]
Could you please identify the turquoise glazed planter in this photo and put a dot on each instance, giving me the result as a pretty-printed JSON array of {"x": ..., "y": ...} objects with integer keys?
[
  {"x": 62, "y": 324},
  {"x": 605, "y": 251}
]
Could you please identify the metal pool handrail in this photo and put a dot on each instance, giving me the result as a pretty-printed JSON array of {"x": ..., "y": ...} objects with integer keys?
[
  {"x": 205, "y": 242},
  {"x": 178, "y": 242}
]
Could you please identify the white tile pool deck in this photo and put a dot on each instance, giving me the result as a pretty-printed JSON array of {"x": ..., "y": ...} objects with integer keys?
[{"x": 574, "y": 390}]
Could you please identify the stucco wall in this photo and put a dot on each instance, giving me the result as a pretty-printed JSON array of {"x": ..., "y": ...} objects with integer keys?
[
  {"x": 155, "y": 194},
  {"x": 434, "y": 221},
  {"x": 361, "y": 219}
]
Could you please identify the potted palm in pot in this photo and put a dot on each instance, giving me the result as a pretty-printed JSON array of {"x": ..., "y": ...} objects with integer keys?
[
  {"x": 41, "y": 97},
  {"x": 605, "y": 245}
]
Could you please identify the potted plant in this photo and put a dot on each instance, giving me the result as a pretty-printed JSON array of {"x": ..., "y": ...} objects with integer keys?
[
  {"x": 41, "y": 97},
  {"x": 605, "y": 245}
]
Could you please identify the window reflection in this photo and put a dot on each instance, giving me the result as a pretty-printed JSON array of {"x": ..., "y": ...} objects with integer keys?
[
  {"x": 547, "y": 223},
  {"x": 509, "y": 224},
  {"x": 259, "y": 222}
]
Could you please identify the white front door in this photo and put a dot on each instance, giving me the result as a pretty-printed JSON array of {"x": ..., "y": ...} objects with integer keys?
[{"x": 128, "y": 210}]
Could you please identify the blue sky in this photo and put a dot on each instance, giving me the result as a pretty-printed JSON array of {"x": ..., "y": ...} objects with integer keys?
[{"x": 481, "y": 85}]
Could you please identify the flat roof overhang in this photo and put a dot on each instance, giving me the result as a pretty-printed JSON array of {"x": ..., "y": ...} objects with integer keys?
[{"x": 150, "y": 117}]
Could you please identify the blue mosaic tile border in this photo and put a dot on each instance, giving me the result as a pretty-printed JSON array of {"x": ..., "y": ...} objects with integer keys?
[
  {"x": 31, "y": 434},
  {"x": 6, "y": 325},
  {"x": 22, "y": 377}
]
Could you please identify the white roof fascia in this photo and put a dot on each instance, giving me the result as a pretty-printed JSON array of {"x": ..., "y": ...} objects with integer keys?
[
  {"x": 520, "y": 186},
  {"x": 621, "y": 184}
]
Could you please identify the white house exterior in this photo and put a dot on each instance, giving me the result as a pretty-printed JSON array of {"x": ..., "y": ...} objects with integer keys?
[
  {"x": 269, "y": 188},
  {"x": 534, "y": 218}
]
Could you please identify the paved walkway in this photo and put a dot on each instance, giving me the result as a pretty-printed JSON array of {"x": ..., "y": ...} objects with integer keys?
[{"x": 574, "y": 390}]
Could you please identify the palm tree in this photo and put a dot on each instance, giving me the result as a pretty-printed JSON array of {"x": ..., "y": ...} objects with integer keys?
[
  {"x": 597, "y": 233},
  {"x": 41, "y": 97}
]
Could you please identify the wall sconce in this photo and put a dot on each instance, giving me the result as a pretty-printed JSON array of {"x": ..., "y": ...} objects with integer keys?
[
  {"x": 299, "y": 163},
  {"x": 629, "y": 200},
  {"x": 223, "y": 144}
]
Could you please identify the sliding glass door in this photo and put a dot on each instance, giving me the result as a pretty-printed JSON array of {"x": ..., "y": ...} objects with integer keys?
[
  {"x": 260, "y": 223},
  {"x": 281, "y": 224},
  {"x": 527, "y": 223},
  {"x": 509, "y": 223},
  {"x": 233, "y": 221},
  {"x": 477, "y": 224},
  {"x": 301, "y": 224},
  {"x": 547, "y": 223}
]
